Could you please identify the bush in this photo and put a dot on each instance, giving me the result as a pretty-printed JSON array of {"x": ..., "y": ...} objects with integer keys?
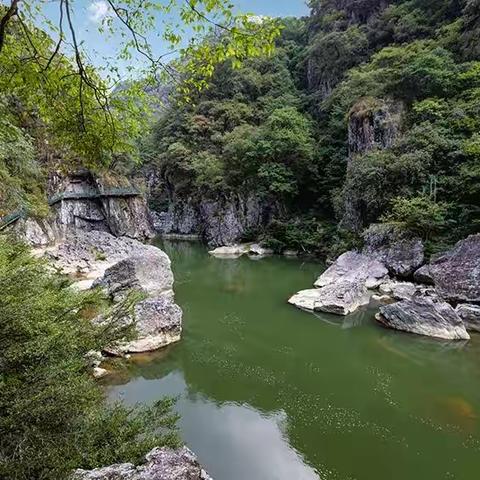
[
  {"x": 53, "y": 418},
  {"x": 420, "y": 215}
]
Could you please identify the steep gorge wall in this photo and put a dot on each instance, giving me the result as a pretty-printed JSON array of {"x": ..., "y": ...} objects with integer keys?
[
  {"x": 219, "y": 221},
  {"x": 82, "y": 201},
  {"x": 373, "y": 124}
]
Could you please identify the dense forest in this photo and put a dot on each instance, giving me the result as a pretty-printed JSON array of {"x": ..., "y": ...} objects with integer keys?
[{"x": 367, "y": 112}]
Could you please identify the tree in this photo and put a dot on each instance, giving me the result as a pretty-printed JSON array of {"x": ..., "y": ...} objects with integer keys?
[
  {"x": 50, "y": 75},
  {"x": 52, "y": 413}
]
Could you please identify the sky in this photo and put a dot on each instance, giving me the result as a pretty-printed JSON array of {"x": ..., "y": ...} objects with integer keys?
[{"x": 89, "y": 14}]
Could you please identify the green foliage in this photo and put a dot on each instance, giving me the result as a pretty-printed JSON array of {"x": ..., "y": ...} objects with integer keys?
[
  {"x": 49, "y": 403},
  {"x": 20, "y": 176},
  {"x": 419, "y": 215}
]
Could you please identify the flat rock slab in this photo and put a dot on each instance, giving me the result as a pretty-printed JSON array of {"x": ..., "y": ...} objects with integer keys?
[
  {"x": 456, "y": 273},
  {"x": 340, "y": 298},
  {"x": 161, "y": 464},
  {"x": 424, "y": 316}
]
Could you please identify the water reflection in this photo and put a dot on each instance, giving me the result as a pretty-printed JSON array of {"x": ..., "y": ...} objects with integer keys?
[{"x": 235, "y": 442}]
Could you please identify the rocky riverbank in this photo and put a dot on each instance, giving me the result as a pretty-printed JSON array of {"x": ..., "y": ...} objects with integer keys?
[
  {"x": 161, "y": 464},
  {"x": 439, "y": 299}
]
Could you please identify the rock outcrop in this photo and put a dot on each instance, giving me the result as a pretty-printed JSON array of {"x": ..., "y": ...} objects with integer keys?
[
  {"x": 456, "y": 273},
  {"x": 429, "y": 316},
  {"x": 343, "y": 287},
  {"x": 339, "y": 298},
  {"x": 82, "y": 201},
  {"x": 373, "y": 123},
  {"x": 161, "y": 464},
  {"x": 470, "y": 314},
  {"x": 235, "y": 251},
  {"x": 221, "y": 221},
  {"x": 401, "y": 253},
  {"x": 404, "y": 290},
  {"x": 120, "y": 265},
  {"x": 354, "y": 267},
  {"x": 147, "y": 271}
]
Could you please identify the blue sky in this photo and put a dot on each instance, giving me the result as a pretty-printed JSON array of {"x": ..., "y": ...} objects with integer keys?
[{"x": 88, "y": 13}]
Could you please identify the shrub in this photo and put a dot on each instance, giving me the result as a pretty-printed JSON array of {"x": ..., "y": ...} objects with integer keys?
[{"x": 52, "y": 413}]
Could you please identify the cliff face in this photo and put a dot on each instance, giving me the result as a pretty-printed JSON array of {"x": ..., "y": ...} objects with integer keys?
[
  {"x": 221, "y": 221},
  {"x": 372, "y": 124},
  {"x": 83, "y": 202}
]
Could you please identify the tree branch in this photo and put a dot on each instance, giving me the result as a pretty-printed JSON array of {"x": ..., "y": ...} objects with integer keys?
[{"x": 11, "y": 12}]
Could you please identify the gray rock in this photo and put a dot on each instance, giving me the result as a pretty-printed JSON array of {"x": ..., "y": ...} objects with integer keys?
[
  {"x": 373, "y": 123},
  {"x": 161, "y": 464},
  {"x": 94, "y": 251},
  {"x": 456, "y": 273},
  {"x": 405, "y": 290},
  {"x": 219, "y": 221},
  {"x": 354, "y": 267},
  {"x": 120, "y": 265},
  {"x": 232, "y": 251},
  {"x": 158, "y": 323},
  {"x": 423, "y": 275},
  {"x": 148, "y": 271},
  {"x": 340, "y": 298},
  {"x": 424, "y": 316},
  {"x": 401, "y": 253},
  {"x": 256, "y": 249},
  {"x": 470, "y": 314},
  {"x": 82, "y": 201},
  {"x": 36, "y": 233}
]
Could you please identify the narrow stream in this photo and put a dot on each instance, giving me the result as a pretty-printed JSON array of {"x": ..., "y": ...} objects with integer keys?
[{"x": 268, "y": 392}]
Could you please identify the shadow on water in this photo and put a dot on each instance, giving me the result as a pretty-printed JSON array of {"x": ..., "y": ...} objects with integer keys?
[{"x": 269, "y": 392}]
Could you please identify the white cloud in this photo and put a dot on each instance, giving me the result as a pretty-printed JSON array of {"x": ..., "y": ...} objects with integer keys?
[{"x": 98, "y": 10}]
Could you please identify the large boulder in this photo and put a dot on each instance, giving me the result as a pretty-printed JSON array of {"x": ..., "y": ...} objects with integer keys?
[
  {"x": 401, "y": 253},
  {"x": 148, "y": 271},
  {"x": 158, "y": 323},
  {"x": 339, "y": 298},
  {"x": 470, "y": 314},
  {"x": 354, "y": 267},
  {"x": 424, "y": 316},
  {"x": 119, "y": 266},
  {"x": 161, "y": 464},
  {"x": 456, "y": 273},
  {"x": 342, "y": 288}
]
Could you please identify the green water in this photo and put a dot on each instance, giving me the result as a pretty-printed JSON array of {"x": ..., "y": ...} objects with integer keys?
[{"x": 268, "y": 392}]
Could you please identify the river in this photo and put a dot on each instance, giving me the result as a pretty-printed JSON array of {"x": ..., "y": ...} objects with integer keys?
[{"x": 268, "y": 392}]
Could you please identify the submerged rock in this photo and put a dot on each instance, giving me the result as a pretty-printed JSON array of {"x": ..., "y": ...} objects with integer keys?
[
  {"x": 354, "y": 267},
  {"x": 456, "y": 273},
  {"x": 339, "y": 298},
  {"x": 424, "y": 316},
  {"x": 470, "y": 314},
  {"x": 400, "y": 253},
  {"x": 161, "y": 464}
]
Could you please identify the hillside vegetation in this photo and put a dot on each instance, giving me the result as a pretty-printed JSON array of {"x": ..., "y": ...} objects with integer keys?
[{"x": 369, "y": 111}]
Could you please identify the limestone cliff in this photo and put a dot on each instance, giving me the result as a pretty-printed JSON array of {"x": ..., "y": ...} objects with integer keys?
[
  {"x": 218, "y": 221},
  {"x": 83, "y": 201}
]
